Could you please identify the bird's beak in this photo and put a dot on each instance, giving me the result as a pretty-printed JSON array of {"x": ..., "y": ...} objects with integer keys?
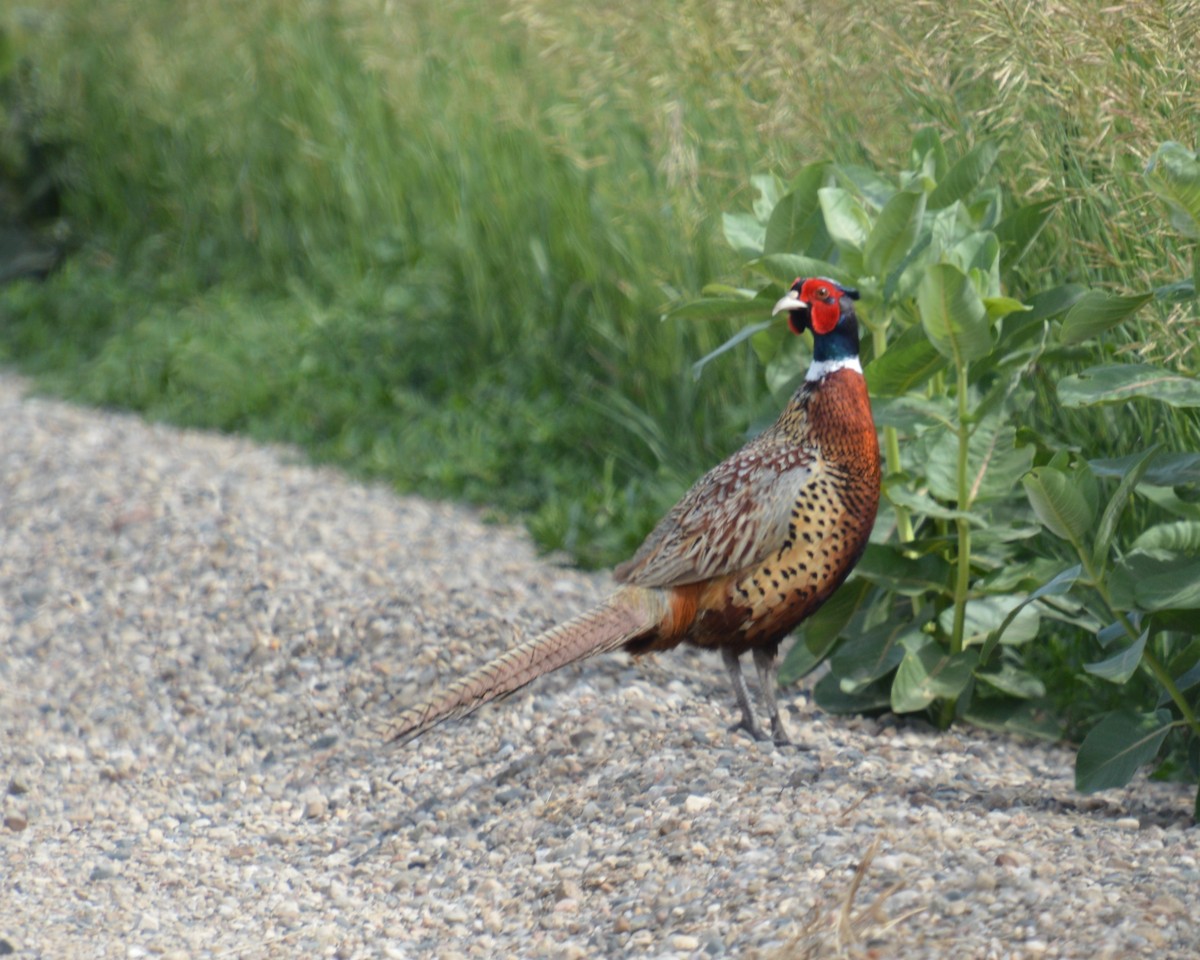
[
  {"x": 799, "y": 312},
  {"x": 790, "y": 301}
]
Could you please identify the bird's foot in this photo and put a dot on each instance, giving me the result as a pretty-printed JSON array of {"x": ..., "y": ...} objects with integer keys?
[
  {"x": 780, "y": 736},
  {"x": 747, "y": 725}
]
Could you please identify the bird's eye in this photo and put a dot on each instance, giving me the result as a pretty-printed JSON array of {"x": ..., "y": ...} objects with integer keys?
[{"x": 823, "y": 293}]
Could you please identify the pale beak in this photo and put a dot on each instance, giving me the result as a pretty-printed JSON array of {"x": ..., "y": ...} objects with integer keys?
[{"x": 790, "y": 301}]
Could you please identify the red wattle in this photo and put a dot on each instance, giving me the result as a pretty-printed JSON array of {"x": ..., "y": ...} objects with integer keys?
[{"x": 824, "y": 316}]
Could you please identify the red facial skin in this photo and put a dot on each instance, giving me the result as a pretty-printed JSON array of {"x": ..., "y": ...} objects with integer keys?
[{"x": 822, "y": 298}]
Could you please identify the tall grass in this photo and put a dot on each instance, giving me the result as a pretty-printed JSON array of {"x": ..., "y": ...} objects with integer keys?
[{"x": 432, "y": 240}]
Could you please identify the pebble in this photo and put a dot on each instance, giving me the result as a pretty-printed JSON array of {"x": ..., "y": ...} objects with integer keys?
[
  {"x": 694, "y": 804},
  {"x": 204, "y": 641}
]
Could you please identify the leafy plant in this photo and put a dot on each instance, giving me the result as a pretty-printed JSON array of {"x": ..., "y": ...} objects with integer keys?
[
  {"x": 1139, "y": 600},
  {"x": 954, "y": 584},
  {"x": 1144, "y": 593}
]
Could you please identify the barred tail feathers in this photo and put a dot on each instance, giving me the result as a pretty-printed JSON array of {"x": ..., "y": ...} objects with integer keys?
[{"x": 627, "y": 614}]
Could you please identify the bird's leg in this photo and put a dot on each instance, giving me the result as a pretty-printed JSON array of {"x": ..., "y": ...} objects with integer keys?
[
  {"x": 733, "y": 664},
  {"x": 768, "y": 679}
]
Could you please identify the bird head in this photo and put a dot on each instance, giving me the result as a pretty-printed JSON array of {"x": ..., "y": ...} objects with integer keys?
[{"x": 816, "y": 303}]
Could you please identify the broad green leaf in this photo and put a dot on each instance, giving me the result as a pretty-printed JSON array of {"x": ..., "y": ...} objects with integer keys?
[
  {"x": 929, "y": 153},
  {"x": 1097, "y": 311},
  {"x": 1174, "y": 174},
  {"x": 1021, "y": 717},
  {"x": 1178, "y": 292},
  {"x": 1169, "y": 500},
  {"x": 1184, "y": 661},
  {"x": 926, "y": 506},
  {"x": 745, "y": 233},
  {"x": 1122, "y": 665},
  {"x": 810, "y": 179},
  {"x": 822, "y": 629},
  {"x": 845, "y": 219},
  {"x": 979, "y": 251},
  {"x": 1186, "y": 680},
  {"x": 1181, "y": 536},
  {"x": 953, "y": 315},
  {"x": 998, "y": 307},
  {"x": 911, "y": 412},
  {"x": 864, "y": 659},
  {"x": 984, "y": 615},
  {"x": 1155, "y": 580},
  {"x": 887, "y": 566},
  {"x": 1078, "y": 613},
  {"x": 1118, "y": 383},
  {"x": 1043, "y": 306},
  {"x": 770, "y": 188},
  {"x": 1022, "y": 227},
  {"x": 1004, "y": 533},
  {"x": 1116, "y": 506},
  {"x": 908, "y": 362},
  {"x": 902, "y": 281},
  {"x": 1013, "y": 681},
  {"x": 1165, "y": 470},
  {"x": 1109, "y": 635},
  {"x": 833, "y": 699},
  {"x": 1059, "y": 504},
  {"x": 1054, "y": 302},
  {"x": 1025, "y": 575},
  {"x": 867, "y": 183},
  {"x": 1116, "y": 746},
  {"x": 797, "y": 219},
  {"x": 985, "y": 207},
  {"x": 994, "y": 463},
  {"x": 946, "y": 228},
  {"x": 1136, "y": 565},
  {"x": 928, "y": 672},
  {"x": 786, "y": 268},
  {"x": 964, "y": 176},
  {"x": 1174, "y": 589},
  {"x": 895, "y": 232}
]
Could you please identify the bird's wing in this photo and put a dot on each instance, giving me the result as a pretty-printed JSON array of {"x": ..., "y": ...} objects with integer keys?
[{"x": 735, "y": 516}]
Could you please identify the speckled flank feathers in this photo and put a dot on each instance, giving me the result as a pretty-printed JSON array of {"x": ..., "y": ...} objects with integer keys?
[{"x": 754, "y": 547}]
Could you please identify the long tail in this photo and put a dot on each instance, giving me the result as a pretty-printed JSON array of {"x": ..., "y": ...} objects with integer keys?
[{"x": 628, "y": 613}]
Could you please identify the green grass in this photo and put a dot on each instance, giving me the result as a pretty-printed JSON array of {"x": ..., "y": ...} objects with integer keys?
[{"x": 431, "y": 242}]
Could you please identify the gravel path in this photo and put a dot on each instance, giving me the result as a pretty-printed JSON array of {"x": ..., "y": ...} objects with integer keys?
[{"x": 201, "y": 641}]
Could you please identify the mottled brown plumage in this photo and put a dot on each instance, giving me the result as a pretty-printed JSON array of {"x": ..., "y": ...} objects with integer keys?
[{"x": 754, "y": 547}]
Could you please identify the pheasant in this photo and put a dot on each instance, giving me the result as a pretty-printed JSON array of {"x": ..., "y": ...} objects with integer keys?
[{"x": 753, "y": 548}]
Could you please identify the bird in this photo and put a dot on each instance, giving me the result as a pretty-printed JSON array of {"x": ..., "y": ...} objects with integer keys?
[{"x": 756, "y": 545}]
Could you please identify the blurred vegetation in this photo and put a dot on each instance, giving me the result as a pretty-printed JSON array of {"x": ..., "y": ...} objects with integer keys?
[{"x": 432, "y": 242}]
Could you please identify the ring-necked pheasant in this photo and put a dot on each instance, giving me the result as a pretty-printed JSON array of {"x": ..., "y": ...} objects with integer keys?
[{"x": 758, "y": 544}]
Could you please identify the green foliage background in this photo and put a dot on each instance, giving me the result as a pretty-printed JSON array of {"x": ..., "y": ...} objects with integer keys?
[{"x": 432, "y": 242}]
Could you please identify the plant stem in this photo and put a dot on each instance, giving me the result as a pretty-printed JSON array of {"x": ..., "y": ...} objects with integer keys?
[
  {"x": 891, "y": 447},
  {"x": 1155, "y": 667},
  {"x": 1148, "y": 657},
  {"x": 962, "y": 581},
  {"x": 962, "y": 578},
  {"x": 1160, "y": 672}
]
